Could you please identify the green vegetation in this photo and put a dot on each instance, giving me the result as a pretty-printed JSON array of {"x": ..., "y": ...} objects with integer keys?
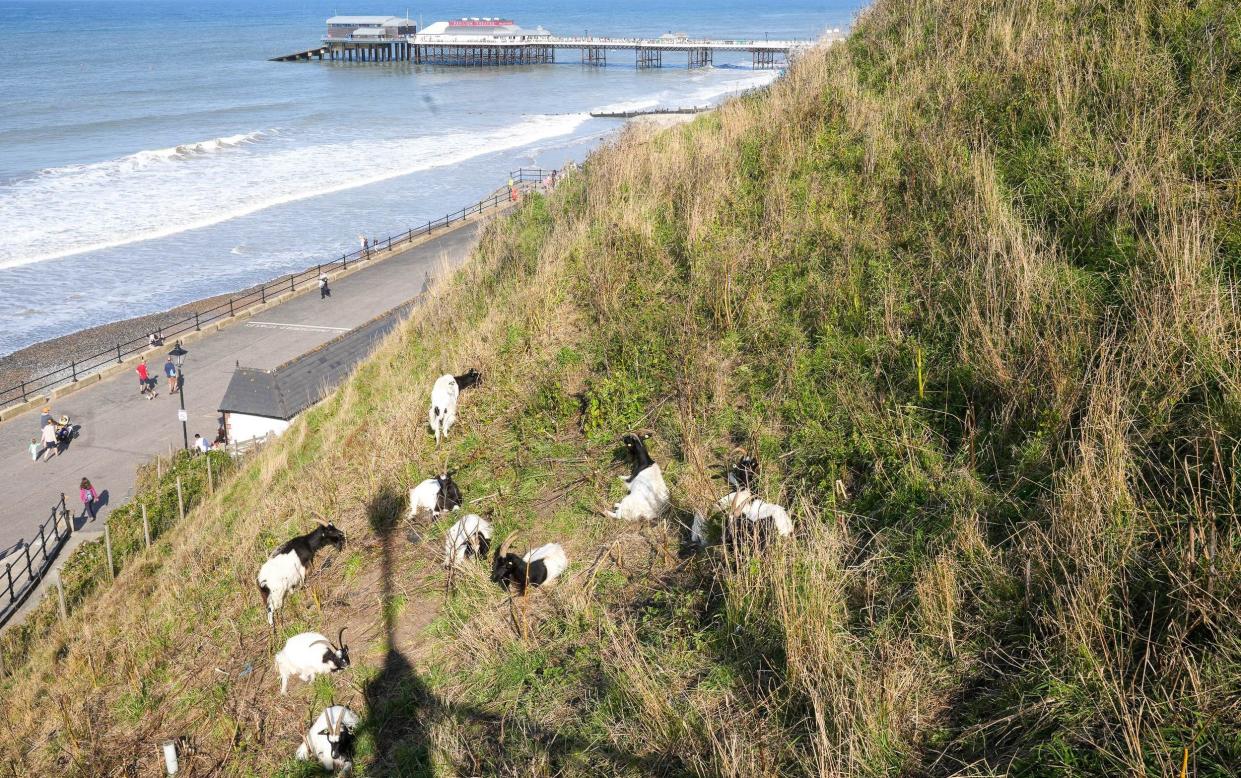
[
  {"x": 965, "y": 284},
  {"x": 85, "y": 570}
]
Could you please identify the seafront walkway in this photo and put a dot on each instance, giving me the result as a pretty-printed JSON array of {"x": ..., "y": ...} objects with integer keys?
[{"x": 121, "y": 429}]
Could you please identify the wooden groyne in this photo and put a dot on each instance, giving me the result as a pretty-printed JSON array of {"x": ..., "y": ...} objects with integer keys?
[{"x": 648, "y": 112}]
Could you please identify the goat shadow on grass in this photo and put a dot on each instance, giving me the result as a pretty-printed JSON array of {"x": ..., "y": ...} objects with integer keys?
[{"x": 401, "y": 708}]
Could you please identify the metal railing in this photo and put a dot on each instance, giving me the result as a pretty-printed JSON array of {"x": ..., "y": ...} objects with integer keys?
[
  {"x": 115, "y": 355},
  {"x": 25, "y": 568}
]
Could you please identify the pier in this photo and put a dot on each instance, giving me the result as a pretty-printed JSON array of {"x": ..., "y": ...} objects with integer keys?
[{"x": 493, "y": 42}]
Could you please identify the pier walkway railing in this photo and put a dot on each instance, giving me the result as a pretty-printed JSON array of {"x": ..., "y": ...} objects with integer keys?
[
  {"x": 23, "y": 568},
  {"x": 37, "y": 386}
]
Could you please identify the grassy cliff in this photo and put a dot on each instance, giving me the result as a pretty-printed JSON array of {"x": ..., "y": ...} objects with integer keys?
[{"x": 966, "y": 284}]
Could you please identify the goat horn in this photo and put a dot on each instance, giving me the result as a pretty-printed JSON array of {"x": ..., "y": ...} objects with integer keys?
[
  {"x": 507, "y": 541},
  {"x": 331, "y": 725},
  {"x": 340, "y": 638},
  {"x": 738, "y": 451},
  {"x": 643, "y": 432}
]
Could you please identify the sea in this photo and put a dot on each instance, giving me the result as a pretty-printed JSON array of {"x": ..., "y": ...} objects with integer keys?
[{"x": 151, "y": 154}]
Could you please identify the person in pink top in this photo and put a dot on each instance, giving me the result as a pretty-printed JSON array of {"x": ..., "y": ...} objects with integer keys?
[{"x": 89, "y": 496}]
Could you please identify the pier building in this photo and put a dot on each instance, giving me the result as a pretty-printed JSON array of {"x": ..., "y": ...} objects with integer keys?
[{"x": 494, "y": 41}]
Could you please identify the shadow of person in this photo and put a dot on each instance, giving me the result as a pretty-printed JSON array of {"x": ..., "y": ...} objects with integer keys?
[
  {"x": 402, "y": 709},
  {"x": 102, "y": 500},
  {"x": 397, "y": 701}
]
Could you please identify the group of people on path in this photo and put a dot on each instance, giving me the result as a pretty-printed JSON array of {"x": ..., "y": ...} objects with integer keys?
[
  {"x": 146, "y": 384},
  {"x": 54, "y": 435}
]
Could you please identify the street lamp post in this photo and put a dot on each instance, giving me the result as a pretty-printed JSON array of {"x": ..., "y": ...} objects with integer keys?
[{"x": 178, "y": 358}]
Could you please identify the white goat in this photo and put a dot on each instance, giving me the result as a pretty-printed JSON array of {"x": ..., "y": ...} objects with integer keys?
[
  {"x": 743, "y": 505},
  {"x": 330, "y": 739},
  {"x": 285, "y": 569},
  {"x": 537, "y": 568},
  {"x": 435, "y": 496},
  {"x": 443, "y": 411},
  {"x": 648, "y": 494},
  {"x": 310, "y": 654},
  {"x": 469, "y": 538}
]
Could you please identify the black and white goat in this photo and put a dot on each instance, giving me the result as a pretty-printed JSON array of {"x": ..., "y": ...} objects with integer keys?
[
  {"x": 469, "y": 538},
  {"x": 435, "y": 496},
  {"x": 310, "y": 654},
  {"x": 285, "y": 569},
  {"x": 538, "y": 567},
  {"x": 443, "y": 411},
  {"x": 745, "y": 513},
  {"x": 330, "y": 739},
  {"x": 648, "y": 494}
]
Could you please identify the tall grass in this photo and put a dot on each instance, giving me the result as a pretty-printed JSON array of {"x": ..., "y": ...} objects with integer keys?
[{"x": 966, "y": 285}]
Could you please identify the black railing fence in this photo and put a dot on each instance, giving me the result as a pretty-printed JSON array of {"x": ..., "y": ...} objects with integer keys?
[
  {"x": 79, "y": 368},
  {"x": 23, "y": 569}
]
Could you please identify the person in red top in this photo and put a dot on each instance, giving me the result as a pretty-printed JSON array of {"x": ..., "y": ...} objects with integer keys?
[
  {"x": 89, "y": 496},
  {"x": 144, "y": 381}
]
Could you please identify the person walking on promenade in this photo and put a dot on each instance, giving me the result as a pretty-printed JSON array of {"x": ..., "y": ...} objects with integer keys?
[
  {"x": 50, "y": 446},
  {"x": 324, "y": 291},
  {"x": 170, "y": 370},
  {"x": 200, "y": 444},
  {"x": 366, "y": 245},
  {"x": 34, "y": 449},
  {"x": 144, "y": 380},
  {"x": 45, "y": 417},
  {"x": 89, "y": 496}
]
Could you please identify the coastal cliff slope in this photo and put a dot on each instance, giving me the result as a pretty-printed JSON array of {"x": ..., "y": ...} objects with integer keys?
[{"x": 965, "y": 284}]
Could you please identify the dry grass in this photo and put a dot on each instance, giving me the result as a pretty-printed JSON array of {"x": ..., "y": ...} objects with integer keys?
[{"x": 967, "y": 285}]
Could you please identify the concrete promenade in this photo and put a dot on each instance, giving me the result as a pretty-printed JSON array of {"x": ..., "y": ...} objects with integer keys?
[{"x": 120, "y": 429}]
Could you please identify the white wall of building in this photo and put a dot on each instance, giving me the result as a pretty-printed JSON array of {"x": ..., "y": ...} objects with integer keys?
[{"x": 243, "y": 427}]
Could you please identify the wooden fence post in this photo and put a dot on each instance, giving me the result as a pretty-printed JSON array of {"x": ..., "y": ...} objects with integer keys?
[
  {"x": 159, "y": 467},
  {"x": 60, "y": 595},
  {"x": 180, "y": 501},
  {"x": 210, "y": 477},
  {"x": 146, "y": 526},
  {"x": 107, "y": 544}
]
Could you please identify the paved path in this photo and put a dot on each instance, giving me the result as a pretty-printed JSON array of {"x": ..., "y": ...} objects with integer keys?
[{"x": 120, "y": 429}]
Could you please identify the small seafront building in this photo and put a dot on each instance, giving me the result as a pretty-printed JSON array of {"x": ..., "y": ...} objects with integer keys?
[{"x": 258, "y": 403}]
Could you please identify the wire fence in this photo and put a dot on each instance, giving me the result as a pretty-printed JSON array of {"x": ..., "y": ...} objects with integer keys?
[
  {"x": 24, "y": 568},
  {"x": 76, "y": 369}
]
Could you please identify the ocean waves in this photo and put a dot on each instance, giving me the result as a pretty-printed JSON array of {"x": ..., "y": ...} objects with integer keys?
[{"x": 75, "y": 209}]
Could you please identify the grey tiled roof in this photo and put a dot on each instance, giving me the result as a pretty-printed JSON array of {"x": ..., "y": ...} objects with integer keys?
[{"x": 300, "y": 383}]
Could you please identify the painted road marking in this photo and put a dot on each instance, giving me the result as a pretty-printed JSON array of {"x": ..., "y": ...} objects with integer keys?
[{"x": 279, "y": 325}]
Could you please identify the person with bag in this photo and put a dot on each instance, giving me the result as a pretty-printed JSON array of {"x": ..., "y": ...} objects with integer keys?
[
  {"x": 89, "y": 496},
  {"x": 170, "y": 370}
]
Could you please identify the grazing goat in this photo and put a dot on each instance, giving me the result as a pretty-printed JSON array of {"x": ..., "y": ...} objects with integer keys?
[
  {"x": 310, "y": 654},
  {"x": 285, "y": 569},
  {"x": 648, "y": 494},
  {"x": 538, "y": 567},
  {"x": 435, "y": 496},
  {"x": 443, "y": 412},
  {"x": 744, "y": 512},
  {"x": 330, "y": 739},
  {"x": 469, "y": 538}
]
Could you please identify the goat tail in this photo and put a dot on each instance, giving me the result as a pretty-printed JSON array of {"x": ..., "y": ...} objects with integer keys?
[{"x": 265, "y": 591}]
